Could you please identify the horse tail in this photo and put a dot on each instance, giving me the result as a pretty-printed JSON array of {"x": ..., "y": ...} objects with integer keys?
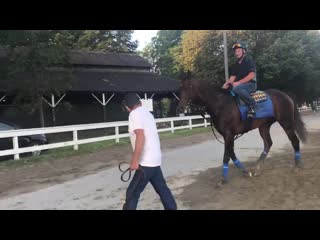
[{"x": 298, "y": 123}]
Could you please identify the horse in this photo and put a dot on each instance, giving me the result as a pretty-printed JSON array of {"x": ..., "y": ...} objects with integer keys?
[{"x": 227, "y": 119}]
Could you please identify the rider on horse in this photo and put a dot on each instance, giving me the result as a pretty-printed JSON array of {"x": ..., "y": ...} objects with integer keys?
[{"x": 243, "y": 77}]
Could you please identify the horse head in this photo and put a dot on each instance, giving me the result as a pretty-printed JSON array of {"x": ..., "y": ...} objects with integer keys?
[{"x": 189, "y": 92}]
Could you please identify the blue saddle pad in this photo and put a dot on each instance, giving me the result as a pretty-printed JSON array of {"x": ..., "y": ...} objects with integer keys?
[{"x": 264, "y": 106}]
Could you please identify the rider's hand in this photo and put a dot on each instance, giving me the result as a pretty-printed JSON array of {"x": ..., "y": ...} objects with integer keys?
[
  {"x": 225, "y": 86},
  {"x": 234, "y": 84}
]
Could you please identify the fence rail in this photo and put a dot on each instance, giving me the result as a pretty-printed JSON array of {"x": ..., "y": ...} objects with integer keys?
[
  {"x": 75, "y": 129},
  {"x": 305, "y": 109}
]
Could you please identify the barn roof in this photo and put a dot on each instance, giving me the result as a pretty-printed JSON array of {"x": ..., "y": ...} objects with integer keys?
[
  {"x": 106, "y": 59},
  {"x": 111, "y": 72},
  {"x": 122, "y": 82}
]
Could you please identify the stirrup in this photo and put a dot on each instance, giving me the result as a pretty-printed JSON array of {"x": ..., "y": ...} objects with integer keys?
[{"x": 251, "y": 112}]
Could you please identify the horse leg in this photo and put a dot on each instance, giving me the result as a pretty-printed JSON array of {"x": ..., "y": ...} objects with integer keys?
[
  {"x": 226, "y": 157},
  {"x": 229, "y": 153},
  {"x": 264, "y": 131},
  {"x": 235, "y": 160},
  {"x": 290, "y": 131}
]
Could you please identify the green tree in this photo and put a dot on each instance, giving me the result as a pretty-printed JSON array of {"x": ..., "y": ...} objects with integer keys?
[
  {"x": 290, "y": 62},
  {"x": 160, "y": 52},
  {"x": 98, "y": 40},
  {"x": 201, "y": 54},
  {"x": 149, "y": 53}
]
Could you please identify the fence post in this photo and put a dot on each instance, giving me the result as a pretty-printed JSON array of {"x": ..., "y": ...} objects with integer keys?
[
  {"x": 205, "y": 123},
  {"x": 190, "y": 124},
  {"x": 16, "y": 147},
  {"x": 75, "y": 140},
  {"x": 172, "y": 126},
  {"x": 117, "y": 134}
]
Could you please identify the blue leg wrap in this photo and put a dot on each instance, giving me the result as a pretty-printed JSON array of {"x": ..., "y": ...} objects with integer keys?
[
  {"x": 239, "y": 165},
  {"x": 297, "y": 156},
  {"x": 225, "y": 171}
]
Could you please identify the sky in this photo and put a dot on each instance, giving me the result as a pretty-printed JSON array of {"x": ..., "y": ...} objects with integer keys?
[{"x": 143, "y": 37}]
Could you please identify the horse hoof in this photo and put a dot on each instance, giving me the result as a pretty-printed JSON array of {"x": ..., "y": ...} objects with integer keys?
[
  {"x": 248, "y": 174},
  {"x": 221, "y": 183},
  {"x": 297, "y": 169},
  {"x": 299, "y": 165},
  {"x": 253, "y": 173}
]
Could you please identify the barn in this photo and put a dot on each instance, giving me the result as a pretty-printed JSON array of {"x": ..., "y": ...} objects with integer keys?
[{"x": 100, "y": 80}]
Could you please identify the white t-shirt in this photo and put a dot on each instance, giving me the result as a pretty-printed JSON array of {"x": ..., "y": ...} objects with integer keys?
[{"x": 141, "y": 118}]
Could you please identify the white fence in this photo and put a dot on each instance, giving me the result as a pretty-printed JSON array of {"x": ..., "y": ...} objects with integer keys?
[
  {"x": 306, "y": 109},
  {"x": 16, "y": 150}
]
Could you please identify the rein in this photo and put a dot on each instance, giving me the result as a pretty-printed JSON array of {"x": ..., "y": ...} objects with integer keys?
[{"x": 212, "y": 128}]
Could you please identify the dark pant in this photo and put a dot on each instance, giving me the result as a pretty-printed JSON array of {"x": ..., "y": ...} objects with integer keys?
[
  {"x": 141, "y": 178},
  {"x": 243, "y": 91}
]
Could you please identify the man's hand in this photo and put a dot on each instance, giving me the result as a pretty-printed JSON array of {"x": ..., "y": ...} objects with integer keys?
[
  {"x": 230, "y": 80},
  {"x": 226, "y": 85},
  {"x": 134, "y": 165},
  {"x": 235, "y": 84}
]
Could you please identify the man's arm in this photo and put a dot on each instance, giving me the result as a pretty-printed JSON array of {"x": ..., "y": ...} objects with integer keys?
[
  {"x": 230, "y": 80},
  {"x": 248, "y": 78},
  {"x": 140, "y": 138}
]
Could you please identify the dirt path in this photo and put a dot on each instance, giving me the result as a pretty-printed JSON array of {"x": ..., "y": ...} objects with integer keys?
[
  {"x": 39, "y": 175},
  {"x": 279, "y": 187}
]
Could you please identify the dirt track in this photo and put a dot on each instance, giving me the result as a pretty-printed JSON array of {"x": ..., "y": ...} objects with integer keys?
[{"x": 279, "y": 187}]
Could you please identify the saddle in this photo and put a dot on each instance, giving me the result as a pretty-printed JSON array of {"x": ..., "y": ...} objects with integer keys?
[
  {"x": 264, "y": 106},
  {"x": 258, "y": 96}
]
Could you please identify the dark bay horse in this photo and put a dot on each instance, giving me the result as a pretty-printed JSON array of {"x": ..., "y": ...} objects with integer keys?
[{"x": 225, "y": 115}]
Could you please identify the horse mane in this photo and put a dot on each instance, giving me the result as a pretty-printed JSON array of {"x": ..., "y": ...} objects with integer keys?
[{"x": 209, "y": 88}]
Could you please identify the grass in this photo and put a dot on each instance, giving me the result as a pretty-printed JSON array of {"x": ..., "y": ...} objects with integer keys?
[
  {"x": 183, "y": 133},
  {"x": 60, "y": 153}
]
